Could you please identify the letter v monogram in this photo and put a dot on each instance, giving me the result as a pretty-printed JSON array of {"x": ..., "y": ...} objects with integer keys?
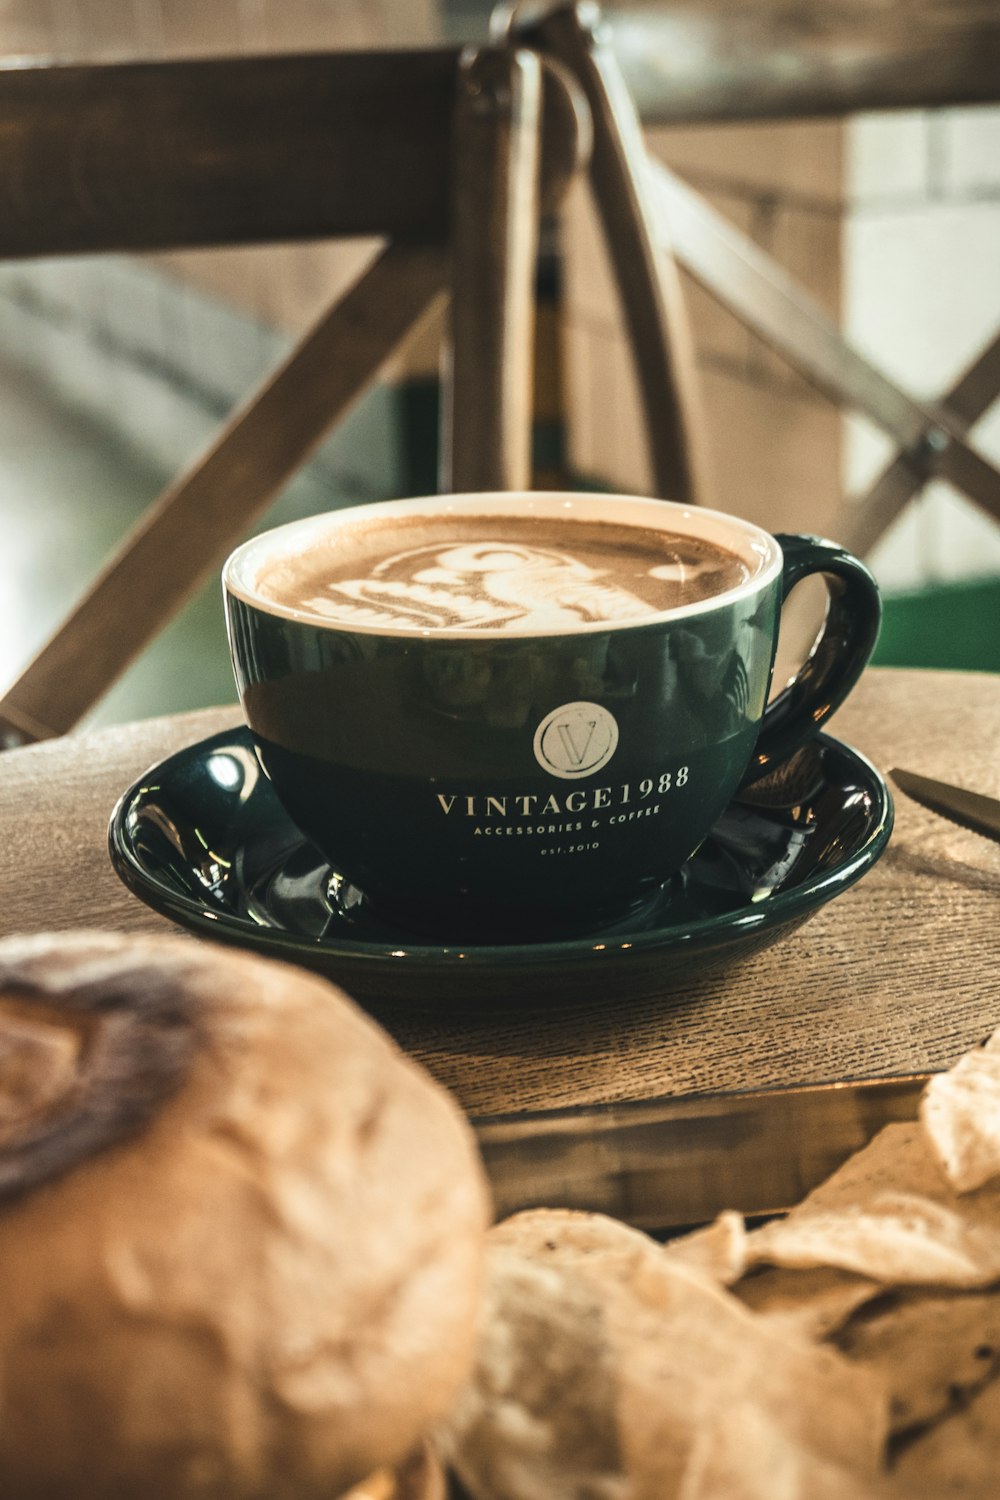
[{"x": 576, "y": 744}]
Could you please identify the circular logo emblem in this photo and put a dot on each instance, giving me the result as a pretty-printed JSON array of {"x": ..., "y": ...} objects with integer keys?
[{"x": 575, "y": 740}]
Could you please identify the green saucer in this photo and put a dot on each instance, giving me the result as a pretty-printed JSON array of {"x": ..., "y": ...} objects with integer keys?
[{"x": 202, "y": 839}]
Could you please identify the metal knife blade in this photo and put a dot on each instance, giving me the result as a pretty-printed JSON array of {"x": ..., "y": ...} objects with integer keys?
[{"x": 967, "y": 809}]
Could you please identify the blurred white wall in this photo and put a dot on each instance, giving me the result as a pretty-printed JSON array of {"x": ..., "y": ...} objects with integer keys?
[{"x": 921, "y": 297}]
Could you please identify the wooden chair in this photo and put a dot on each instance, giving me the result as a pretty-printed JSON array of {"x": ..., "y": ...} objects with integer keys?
[
  {"x": 776, "y": 59},
  {"x": 571, "y": 37},
  {"x": 437, "y": 151}
]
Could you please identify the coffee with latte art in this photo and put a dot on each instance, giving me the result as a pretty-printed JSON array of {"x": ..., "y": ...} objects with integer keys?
[
  {"x": 512, "y": 717},
  {"x": 497, "y": 573}
]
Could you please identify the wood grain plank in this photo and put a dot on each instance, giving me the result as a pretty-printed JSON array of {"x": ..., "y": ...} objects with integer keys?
[
  {"x": 896, "y": 976},
  {"x": 718, "y": 60},
  {"x": 160, "y": 155}
]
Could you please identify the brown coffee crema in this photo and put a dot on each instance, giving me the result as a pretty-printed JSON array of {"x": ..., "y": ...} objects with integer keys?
[{"x": 498, "y": 573}]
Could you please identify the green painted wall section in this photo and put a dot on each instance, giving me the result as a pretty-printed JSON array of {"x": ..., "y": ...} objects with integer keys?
[{"x": 949, "y": 625}]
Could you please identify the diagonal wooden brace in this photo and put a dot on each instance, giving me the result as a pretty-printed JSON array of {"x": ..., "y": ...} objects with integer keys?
[
  {"x": 768, "y": 301},
  {"x": 188, "y": 531},
  {"x": 868, "y": 516}
]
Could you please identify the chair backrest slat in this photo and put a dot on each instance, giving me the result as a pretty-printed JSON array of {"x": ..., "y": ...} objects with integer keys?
[
  {"x": 688, "y": 64},
  {"x": 148, "y": 156}
]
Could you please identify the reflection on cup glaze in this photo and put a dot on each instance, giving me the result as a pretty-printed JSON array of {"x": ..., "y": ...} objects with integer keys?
[{"x": 485, "y": 585}]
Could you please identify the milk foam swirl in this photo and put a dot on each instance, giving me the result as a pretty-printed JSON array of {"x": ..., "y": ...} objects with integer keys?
[
  {"x": 484, "y": 584},
  {"x": 500, "y": 583}
]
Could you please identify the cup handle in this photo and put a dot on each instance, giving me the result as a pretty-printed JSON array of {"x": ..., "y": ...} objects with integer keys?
[{"x": 839, "y": 654}]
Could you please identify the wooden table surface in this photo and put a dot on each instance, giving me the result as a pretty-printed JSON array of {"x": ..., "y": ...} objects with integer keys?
[{"x": 898, "y": 974}]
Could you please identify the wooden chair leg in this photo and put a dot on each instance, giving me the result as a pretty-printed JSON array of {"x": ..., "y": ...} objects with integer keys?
[
  {"x": 645, "y": 272},
  {"x": 487, "y": 401},
  {"x": 187, "y": 533}
]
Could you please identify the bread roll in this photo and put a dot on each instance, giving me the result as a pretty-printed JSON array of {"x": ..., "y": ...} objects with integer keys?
[
  {"x": 608, "y": 1369},
  {"x": 240, "y": 1233}
]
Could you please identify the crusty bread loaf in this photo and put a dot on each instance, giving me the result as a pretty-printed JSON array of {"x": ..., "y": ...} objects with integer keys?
[
  {"x": 240, "y": 1232},
  {"x": 610, "y": 1369}
]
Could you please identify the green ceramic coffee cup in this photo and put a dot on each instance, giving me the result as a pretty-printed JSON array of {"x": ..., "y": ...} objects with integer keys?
[{"x": 505, "y": 772}]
